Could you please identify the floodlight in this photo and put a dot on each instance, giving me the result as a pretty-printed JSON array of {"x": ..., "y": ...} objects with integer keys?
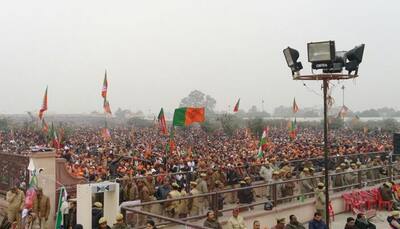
[
  {"x": 338, "y": 63},
  {"x": 355, "y": 58},
  {"x": 291, "y": 56},
  {"x": 321, "y": 54}
]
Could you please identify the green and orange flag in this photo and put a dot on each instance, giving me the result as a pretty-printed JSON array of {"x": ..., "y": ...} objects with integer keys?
[{"x": 185, "y": 116}]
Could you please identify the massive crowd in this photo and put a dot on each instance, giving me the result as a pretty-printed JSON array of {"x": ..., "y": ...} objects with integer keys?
[
  {"x": 139, "y": 158},
  {"x": 144, "y": 150}
]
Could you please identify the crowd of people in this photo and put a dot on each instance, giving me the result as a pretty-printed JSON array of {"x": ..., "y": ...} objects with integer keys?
[
  {"x": 138, "y": 151},
  {"x": 149, "y": 164}
]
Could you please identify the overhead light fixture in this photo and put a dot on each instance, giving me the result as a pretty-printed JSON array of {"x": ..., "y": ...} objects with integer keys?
[
  {"x": 291, "y": 56},
  {"x": 354, "y": 58},
  {"x": 338, "y": 63},
  {"x": 321, "y": 54}
]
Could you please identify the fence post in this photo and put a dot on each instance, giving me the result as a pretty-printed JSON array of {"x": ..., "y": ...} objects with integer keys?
[
  {"x": 390, "y": 169},
  {"x": 359, "y": 179},
  {"x": 188, "y": 178},
  {"x": 274, "y": 194},
  {"x": 214, "y": 201}
]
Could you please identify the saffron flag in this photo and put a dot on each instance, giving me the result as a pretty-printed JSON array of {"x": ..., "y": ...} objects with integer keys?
[
  {"x": 161, "y": 121},
  {"x": 171, "y": 143},
  {"x": 295, "y": 108},
  {"x": 185, "y": 116},
  {"x": 262, "y": 144},
  {"x": 236, "y": 108},
  {"x": 105, "y": 86},
  {"x": 106, "y": 106},
  {"x": 44, "y": 105}
]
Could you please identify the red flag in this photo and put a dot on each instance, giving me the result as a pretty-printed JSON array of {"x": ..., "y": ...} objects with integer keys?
[
  {"x": 236, "y": 108},
  {"x": 161, "y": 121},
  {"x": 44, "y": 105},
  {"x": 295, "y": 108},
  {"x": 106, "y": 106},
  {"x": 105, "y": 86}
]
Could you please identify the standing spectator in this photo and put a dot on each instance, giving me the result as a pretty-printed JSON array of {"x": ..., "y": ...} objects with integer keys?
[
  {"x": 232, "y": 178},
  {"x": 363, "y": 223},
  {"x": 202, "y": 187},
  {"x": 194, "y": 204},
  {"x": 305, "y": 185},
  {"x": 97, "y": 214},
  {"x": 103, "y": 224},
  {"x": 41, "y": 207},
  {"x": 266, "y": 174},
  {"x": 120, "y": 224},
  {"x": 172, "y": 207},
  {"x": 236, "y": 221},
  {"x": 15, "y": 199},
  {"x": 320, "y": 199},
  {"x": 144, "y": 196},
  {"x": 280, "y": 224},
  {"x": 256, "y": 224},
  {"x": 72, "y": 214},
  {"x": 211, "y": 221},
  {"x": 351, "y": 223},
  {"x": 150, "y": 224},
  {"x": 317, "y": 222},
  {"x": 293, "y": 223}
]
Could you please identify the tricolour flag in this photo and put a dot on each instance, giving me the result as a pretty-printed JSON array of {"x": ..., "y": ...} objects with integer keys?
[
  {"x": 295, "y": 108},
  {"x": 161, "y": 122},
  {"x": 105, "y": 86},
  {"x": 44, "y": 105},
  {"x": 263, "y": 143},
  {"x": 54, "y": 137},
  {"x": 61, "y": 199},
  {"x": 236, "y": 108},
  {"x": 185, "y": 116}
]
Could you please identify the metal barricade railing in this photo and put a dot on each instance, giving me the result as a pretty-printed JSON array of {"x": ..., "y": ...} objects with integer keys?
[{"x": 276, "y": 200}]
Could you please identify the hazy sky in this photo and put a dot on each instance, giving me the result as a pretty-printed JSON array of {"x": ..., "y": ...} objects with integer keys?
[{"x": 156, "y": 52}]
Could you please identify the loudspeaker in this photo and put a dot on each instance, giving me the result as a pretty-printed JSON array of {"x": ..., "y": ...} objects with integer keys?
[{"x": 396, "y": 143}]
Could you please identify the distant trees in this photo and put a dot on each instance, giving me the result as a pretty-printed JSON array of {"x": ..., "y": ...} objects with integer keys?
[
  {"x": 229, "y": 123},
  {"x": 381, "y": 112},
  {"x": 197, "y": 98},
  {"x": 4, "y": 124},
  {"x": 254, "y": 112}
]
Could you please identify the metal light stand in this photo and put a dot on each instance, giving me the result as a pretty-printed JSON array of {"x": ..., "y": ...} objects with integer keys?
[{"x": 325, "y": 79}]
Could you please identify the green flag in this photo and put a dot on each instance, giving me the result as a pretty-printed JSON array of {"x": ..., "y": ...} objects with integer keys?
[{"x": 61, "y": 198}]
